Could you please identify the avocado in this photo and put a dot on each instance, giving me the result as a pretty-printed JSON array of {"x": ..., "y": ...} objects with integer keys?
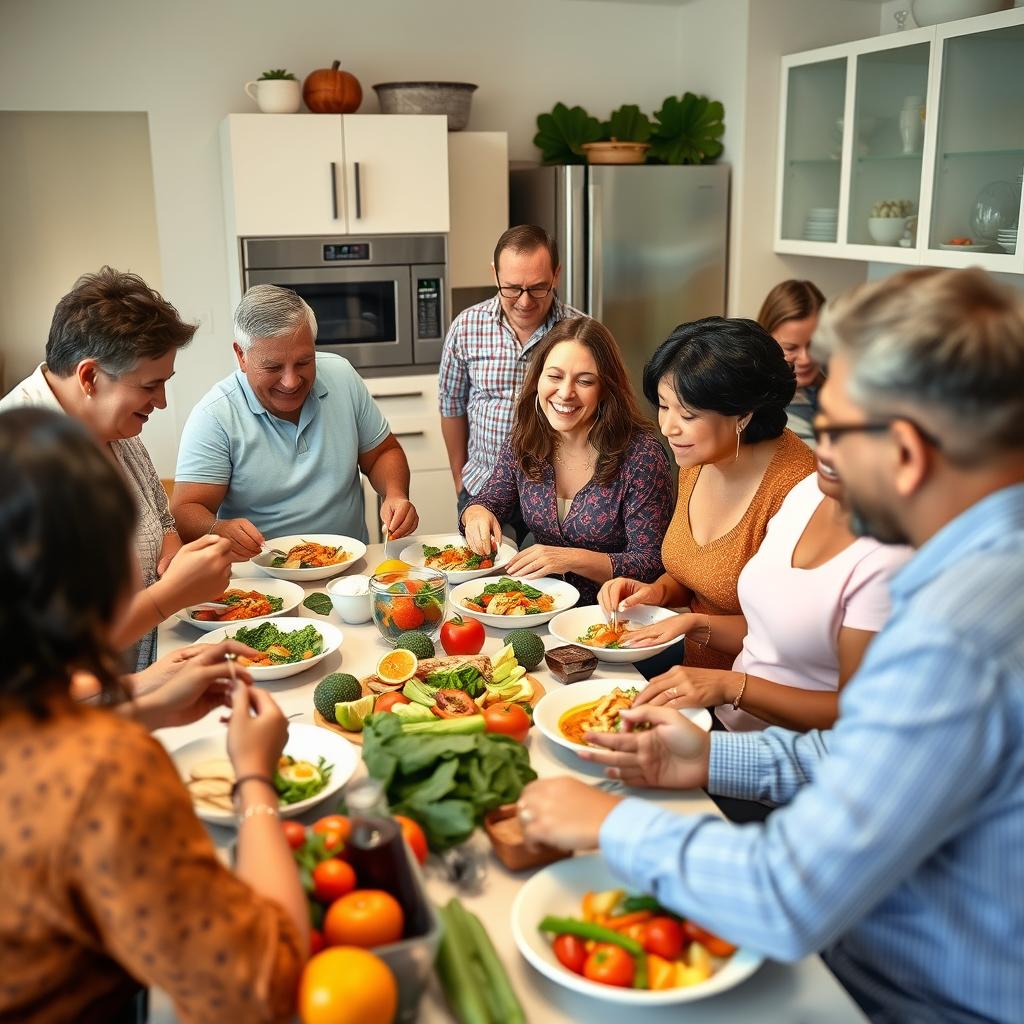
[
  {"x": 419, "y": 643},
  {"x": 338, "y": 687},
  {"x": 528, "y": 647}
]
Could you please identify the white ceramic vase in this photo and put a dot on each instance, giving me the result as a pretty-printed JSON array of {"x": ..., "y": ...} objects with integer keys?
[
  {"x": 275, "y": 95},
  {"x": 911, "y": 127}
]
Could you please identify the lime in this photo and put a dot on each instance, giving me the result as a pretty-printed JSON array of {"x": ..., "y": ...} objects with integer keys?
[{"x": 352, "y": 713}]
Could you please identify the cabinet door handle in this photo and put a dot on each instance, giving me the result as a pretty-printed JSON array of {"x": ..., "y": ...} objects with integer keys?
[
  {"x": 359, "y": 192},
  {"x": 410, "y": 433},
  {"x": 397, "y": 394},
  {"x": 334, "y": 190}
]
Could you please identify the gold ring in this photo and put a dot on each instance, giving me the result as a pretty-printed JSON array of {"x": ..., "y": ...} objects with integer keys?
[{"x": 524, "y": 814}]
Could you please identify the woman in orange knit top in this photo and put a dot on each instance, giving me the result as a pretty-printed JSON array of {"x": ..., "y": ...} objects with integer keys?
[
  {"x": 721, "y": 387},
  {"x": 109, "y": 880}
]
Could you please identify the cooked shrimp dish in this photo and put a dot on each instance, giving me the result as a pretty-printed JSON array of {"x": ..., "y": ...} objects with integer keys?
[{"x": 311, "y": 556}]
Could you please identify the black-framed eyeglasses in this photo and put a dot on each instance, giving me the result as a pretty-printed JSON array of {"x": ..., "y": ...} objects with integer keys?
[
  {"x": 833, "y": 431},
  {"x": 514, "y": 291}
]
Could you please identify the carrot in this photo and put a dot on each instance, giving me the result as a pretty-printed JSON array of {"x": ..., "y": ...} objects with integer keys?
[
  {"x": 487, "y": 599},
  {"x": 621, "y": 921}
]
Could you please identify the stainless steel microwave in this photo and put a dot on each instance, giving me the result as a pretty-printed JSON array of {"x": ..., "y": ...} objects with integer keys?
[{"x": 380, "y": 301}]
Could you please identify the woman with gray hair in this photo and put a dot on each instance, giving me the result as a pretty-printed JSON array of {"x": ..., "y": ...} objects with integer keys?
[{"x": 109, "y": 355}]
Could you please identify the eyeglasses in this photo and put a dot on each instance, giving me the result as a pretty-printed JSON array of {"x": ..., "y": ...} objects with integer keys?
[
  {"x": 514, "y": 291},
  {"x": 833, "y": 431}
]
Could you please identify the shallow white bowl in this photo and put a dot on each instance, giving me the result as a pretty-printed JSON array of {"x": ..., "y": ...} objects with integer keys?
[
  {"x": 266, "y": 673},
  {"x": 291, "y": 593},
  {"x": 413, "y": 554},
  {"x": 305, "y": 743},
  {"x": 565, "y": 595},
  {"x": 356, "y": 548},
  {"x": 556, "y": 702},
  {"x": 559, "y": 890},
  {"x": 353, "y": 608},
  {"x": 569, "y": 625}
]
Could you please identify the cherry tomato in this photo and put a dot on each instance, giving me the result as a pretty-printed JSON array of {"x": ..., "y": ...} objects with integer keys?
[
  {"x": 294, "y": 833},
  {"x": 663, "y": 936},
  {"x": 316, "y": 941},
  {"x": 712, "y": 943},
  {"x": 387, "y": 701},
  {"x": 333, "y": 879},
  {"x": 462, "y": 636},
  {"x": 571, "y": 952},
  {"x": 609, "y": 965},
  {"x": 335, "y": 828},
  {"x": 414, "y": 836},
  {"x": 507, "y": 719}
]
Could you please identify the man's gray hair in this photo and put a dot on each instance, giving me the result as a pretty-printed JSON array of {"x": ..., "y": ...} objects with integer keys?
[
  {"x": 268, "y": 311},
  {"x": 944, "y": 347}
]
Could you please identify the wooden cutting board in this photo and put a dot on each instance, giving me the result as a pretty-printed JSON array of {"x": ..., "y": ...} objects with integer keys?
[{"x": 357, "y": 737}]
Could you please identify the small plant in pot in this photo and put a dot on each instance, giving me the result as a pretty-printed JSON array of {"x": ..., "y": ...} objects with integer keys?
[{"x": 275, "y": 92}]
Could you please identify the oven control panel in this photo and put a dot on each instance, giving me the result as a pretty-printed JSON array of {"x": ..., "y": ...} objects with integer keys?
[
  {"x": 428, "y": 307},
  {"x": 337, "y": 252}
]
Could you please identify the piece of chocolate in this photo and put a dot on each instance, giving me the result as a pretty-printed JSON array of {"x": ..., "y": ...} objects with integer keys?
[{"x": 570, "y": 663}]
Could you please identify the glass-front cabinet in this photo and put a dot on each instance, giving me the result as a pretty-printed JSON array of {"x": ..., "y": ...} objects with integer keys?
[{"x": 907, "y": 148}]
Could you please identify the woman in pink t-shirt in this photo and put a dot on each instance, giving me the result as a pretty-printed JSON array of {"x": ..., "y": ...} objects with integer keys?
[{"x": 812, "y": 597}]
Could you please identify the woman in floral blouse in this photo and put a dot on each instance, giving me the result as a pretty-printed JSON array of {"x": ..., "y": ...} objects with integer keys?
[{"x": 582, "y": 465}]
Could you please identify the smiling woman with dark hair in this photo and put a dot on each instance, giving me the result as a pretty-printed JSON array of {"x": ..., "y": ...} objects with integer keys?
[{"x": 721, "y": 387}]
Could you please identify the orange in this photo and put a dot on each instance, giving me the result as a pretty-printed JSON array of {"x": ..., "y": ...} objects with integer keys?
[
  {"x": 365, "y": 918},
  {"x": 391, "y": 565},
  {"x": 413, "y": 836},
  {"x": 347, "y": 986},
  {"x": 397, "y": 666}
]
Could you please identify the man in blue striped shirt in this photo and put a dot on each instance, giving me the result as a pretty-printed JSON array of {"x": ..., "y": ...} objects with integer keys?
[{"x": 899, "y": 851}]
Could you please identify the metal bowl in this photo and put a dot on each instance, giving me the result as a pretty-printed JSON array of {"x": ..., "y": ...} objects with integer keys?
[{"x": 451, "y": 98}]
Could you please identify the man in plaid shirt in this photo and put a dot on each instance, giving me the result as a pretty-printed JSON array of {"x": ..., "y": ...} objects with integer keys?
[{"x": 487, "y": 351}]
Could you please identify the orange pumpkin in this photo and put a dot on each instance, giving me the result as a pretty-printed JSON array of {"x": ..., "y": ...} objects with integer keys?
[{"x": 332, "y": 91}]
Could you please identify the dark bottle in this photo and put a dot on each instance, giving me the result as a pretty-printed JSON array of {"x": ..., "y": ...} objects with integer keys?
[{"x": 379, "y": 855}]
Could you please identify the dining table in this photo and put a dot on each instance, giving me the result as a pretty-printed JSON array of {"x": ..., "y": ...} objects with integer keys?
[{"x": 804, "y": 992}]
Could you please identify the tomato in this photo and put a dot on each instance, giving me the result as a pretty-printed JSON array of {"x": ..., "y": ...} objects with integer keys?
[
  {"x": 316, "y": 941},
  {"x": 366, "y": 918},
  {"x": 462, "y": 636},
  {"x": 294, "y": 833},
  {"x": 571, "y": 952},
  {"x": 387, "y": 701},
  {"x": 663, "y": 936},
  {"x": 347, "y": 986},
  {"x": 712, "y": 943},
  {"x": 609, "y": 965},
  {"x": 333, "y": 879},
  {"x": 414, "y": 836},
  {"x": 335, "y": 828},
  {"x": 507, "y": 719}
]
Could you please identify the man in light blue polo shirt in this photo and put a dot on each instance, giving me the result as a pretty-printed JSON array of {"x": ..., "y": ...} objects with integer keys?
[{"x": 277, "y": 448}]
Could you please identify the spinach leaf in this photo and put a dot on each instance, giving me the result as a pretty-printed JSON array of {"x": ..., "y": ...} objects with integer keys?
[{"x": 319, "y": 603}]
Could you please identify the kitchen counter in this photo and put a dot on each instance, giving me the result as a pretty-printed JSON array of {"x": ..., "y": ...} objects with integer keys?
[{"x": 776, "y": 994}]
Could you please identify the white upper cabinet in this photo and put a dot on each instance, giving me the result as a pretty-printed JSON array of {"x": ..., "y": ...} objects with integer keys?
[
  {"x": 896, "y": 149},
  {"x": 327, "y": 174}
]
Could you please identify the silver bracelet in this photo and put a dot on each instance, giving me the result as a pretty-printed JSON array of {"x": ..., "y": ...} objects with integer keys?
[{"x": 254, "y": 809}]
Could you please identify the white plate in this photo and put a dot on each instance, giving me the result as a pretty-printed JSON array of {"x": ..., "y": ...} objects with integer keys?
[
  {"x": 305, "y": 743},
  {"x": 573, "y": 623},
  {"x": 356, "y": 548},
  {"x": 556, "y": 702},
  {"x": 565, "y": 595},
  {"x": 413, "y": 554},
  {"x": 265, "y": 673},
  {"x": 290, "y": 593},
  {"x": 559, "y": 890},
  {"x": 984, "y": 247}
]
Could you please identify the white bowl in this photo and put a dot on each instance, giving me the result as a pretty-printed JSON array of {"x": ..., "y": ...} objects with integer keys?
[
  {"x": 355, "y": 548},
  {"x": 265, "y": 673},
  {"x": 934, "y": 12},
  {"x": 886, "y": 230},
  {"x": 290, "y": 593},
  {"x": 567, "y": 626},
  {"x": 565, "y": 595},
  {"x": 353, "y": 608},
  {"x": 305, "y": 743},
  {"x": 413, "y": 554},
  {"x": 559, "y": 890},
  {"x": 556, "y": 702}
]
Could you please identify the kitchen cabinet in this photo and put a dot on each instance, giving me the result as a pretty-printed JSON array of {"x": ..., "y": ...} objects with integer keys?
[
  {"x": 930, "y": 117},
  {"x": 326, "y": 174}
]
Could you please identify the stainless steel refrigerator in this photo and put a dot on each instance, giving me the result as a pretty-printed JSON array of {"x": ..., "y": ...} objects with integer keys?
[{"x": 643, "y": 248}]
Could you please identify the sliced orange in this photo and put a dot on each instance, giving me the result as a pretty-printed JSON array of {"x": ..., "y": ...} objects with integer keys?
[{"x": 397, "y": 666}]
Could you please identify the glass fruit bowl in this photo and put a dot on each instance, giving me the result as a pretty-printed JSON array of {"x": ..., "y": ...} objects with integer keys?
[{"x": 408, "y": 599}]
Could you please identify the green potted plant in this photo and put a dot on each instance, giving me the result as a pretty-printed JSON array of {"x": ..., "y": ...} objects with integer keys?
[{"x": 276, "y": 92}]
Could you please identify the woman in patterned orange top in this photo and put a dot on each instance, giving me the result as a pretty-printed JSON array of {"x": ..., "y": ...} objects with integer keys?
[
  {"x": 721, "y": 387},
  {"x": 110, "y": 881}
]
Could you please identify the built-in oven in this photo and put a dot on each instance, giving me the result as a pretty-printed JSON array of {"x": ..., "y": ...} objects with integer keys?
[{"x": 379, "y": 300}]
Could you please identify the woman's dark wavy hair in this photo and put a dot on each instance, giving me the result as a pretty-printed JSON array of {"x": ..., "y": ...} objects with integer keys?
[
  {"x": 732, "y": 367},
  {"x": 619, "y": 419},
  {"x": 66, "y": 524}
]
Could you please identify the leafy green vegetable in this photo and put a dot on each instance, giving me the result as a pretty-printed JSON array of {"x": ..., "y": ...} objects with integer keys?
[
  {"x": 267, "y": 634},
  {"x": 509, "y": 586},
  {"x": 461, "y": 677},
  {"x": 291, "y": 791},
  {"x": 628, "y": 124},
  {"x": 562, "y": 133},
  {"x": 319, "y": 603},
  {"x": 445, "y": 782},
  {"x": 429, "y": 551},
  {"x": 688, "y": 130},
  {"x": 276, "y": 603}
]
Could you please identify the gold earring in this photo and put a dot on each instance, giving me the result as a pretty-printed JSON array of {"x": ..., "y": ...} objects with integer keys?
[{"x": 739, "y": 431}]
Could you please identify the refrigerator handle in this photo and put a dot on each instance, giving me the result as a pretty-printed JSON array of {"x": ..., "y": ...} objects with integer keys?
[{"x": 595, "y": 298}]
